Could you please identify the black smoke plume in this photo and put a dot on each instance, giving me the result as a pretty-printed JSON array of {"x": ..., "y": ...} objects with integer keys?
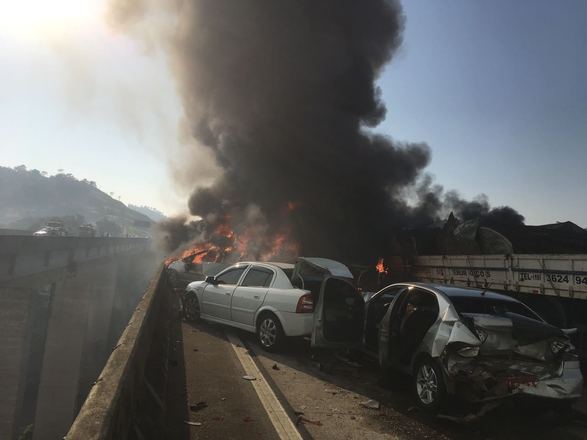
[
  {"x": 284, "y": 93},
  {"x": 479, "y": 209}
]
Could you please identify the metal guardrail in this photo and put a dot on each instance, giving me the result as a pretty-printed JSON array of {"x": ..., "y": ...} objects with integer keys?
[{"x": 127, "y": 401}]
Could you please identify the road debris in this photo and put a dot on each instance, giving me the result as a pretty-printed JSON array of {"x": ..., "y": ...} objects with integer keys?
[
  {"x": 187, "y": 422},
  {"x": 198, "y": 406},
  {"x": 223, "y": 398},
  {"x": 275, "y": 367},
  {"x": 249, "y": 378},
  {"x": 247, "y": 419},
  {"x": 371, "y": 404},
  {"x": 302, "y": 419},
  {"x": 471, "y": 417}
]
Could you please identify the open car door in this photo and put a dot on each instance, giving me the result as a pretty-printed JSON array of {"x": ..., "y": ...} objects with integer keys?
[
  {"x": 338, "y": 315},
  {"x": 309, "y": 272}
]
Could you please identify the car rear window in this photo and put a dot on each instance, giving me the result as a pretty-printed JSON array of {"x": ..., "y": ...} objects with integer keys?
[{"x": 491, "y": 306}]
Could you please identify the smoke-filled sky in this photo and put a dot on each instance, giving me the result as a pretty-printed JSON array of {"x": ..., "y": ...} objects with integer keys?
[{"x": 496, "y": 89}]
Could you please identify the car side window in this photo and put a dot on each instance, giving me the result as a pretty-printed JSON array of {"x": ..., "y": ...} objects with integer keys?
[
  {"x": 258, "y": 277},
  {"x": 419, "y": 301},
  {"x": 231, "y": 276},
  {"x": 389, "y": 294}
]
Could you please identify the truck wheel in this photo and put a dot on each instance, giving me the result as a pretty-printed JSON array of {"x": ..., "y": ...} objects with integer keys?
[
  {"x": 191, "y": 307},
  {"x": 428, "y": 386},
  {"x": 269, "y": 332}
]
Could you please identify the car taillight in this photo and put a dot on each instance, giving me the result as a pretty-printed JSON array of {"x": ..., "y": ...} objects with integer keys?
[{"x": 305, "y": 304}]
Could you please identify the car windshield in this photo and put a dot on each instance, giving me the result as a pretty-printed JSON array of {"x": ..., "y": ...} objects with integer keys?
[{"x": 491, "y": 306}]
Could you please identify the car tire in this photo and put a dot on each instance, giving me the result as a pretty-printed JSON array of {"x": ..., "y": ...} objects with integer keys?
[
  {"x": 428, "y": 385},
  {"x": 191, "y": 307},
  {"x": 270, "y": 333}
]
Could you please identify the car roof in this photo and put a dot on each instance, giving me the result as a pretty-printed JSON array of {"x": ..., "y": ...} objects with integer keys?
[
  {"x": 465, "y": 292},
  {"x": 280, "y": 265},
  {"x": 269, "y": 263},
  {"x": 281, "y": 280}
]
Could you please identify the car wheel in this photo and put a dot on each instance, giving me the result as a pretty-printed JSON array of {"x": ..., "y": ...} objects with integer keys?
[
  {"x": 269, "y": 332},
  {"x": 191, "y": 307},
  {"x": 428, "y": 385}
]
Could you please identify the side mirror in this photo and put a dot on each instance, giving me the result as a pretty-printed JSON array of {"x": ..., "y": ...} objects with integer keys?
[{"x": 211, "y": 280}]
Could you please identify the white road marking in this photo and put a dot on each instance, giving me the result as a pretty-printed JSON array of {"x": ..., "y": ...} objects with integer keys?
[{"x": 279, "y": 418}]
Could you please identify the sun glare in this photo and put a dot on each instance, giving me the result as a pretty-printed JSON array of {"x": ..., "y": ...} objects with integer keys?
[{"x": 33, "y": 19}]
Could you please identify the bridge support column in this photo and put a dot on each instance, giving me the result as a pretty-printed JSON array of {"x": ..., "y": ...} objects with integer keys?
[
  {"x": 79, "y": 322},
  {"x": 14, "y": 323},
  {"x": 97, "y": 345}
]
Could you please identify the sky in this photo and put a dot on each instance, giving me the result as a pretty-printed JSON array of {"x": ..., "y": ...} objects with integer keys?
[{"x": 497, "y": 89}]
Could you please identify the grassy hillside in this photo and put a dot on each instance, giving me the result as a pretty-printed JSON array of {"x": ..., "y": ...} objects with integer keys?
[{"x": 28, "y": 198}]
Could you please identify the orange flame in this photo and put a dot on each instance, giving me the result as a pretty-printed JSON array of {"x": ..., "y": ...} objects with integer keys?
[
  {"x": 252, "y": 243},
  {"x": 281, "y": 246},
  {"x": 380, "y": 266},
  {"x": 224, "y": 230}
]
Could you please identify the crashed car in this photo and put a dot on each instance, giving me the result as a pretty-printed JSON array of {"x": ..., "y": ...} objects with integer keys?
[
  {"x": 273, "y": 300},
  {"x": 474, "y": 344}
]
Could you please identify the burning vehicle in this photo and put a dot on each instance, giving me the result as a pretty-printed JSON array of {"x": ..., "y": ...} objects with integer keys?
[
  {"x": 477, "y": 345},
  {"x": 216, "y": 249}
]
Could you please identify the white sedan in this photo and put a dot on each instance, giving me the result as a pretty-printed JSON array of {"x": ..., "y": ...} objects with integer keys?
[{"x": 274, "y": 300}]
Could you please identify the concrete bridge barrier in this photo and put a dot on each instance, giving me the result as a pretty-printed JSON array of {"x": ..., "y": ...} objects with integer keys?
[
  {"x": 64, "y": 302},
  {"x": 128, "y": 400},
  {"x": 29, "y": 259}
]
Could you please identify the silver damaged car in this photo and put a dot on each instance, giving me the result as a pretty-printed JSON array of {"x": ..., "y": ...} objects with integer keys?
[{"x": 477, "y": 345}]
